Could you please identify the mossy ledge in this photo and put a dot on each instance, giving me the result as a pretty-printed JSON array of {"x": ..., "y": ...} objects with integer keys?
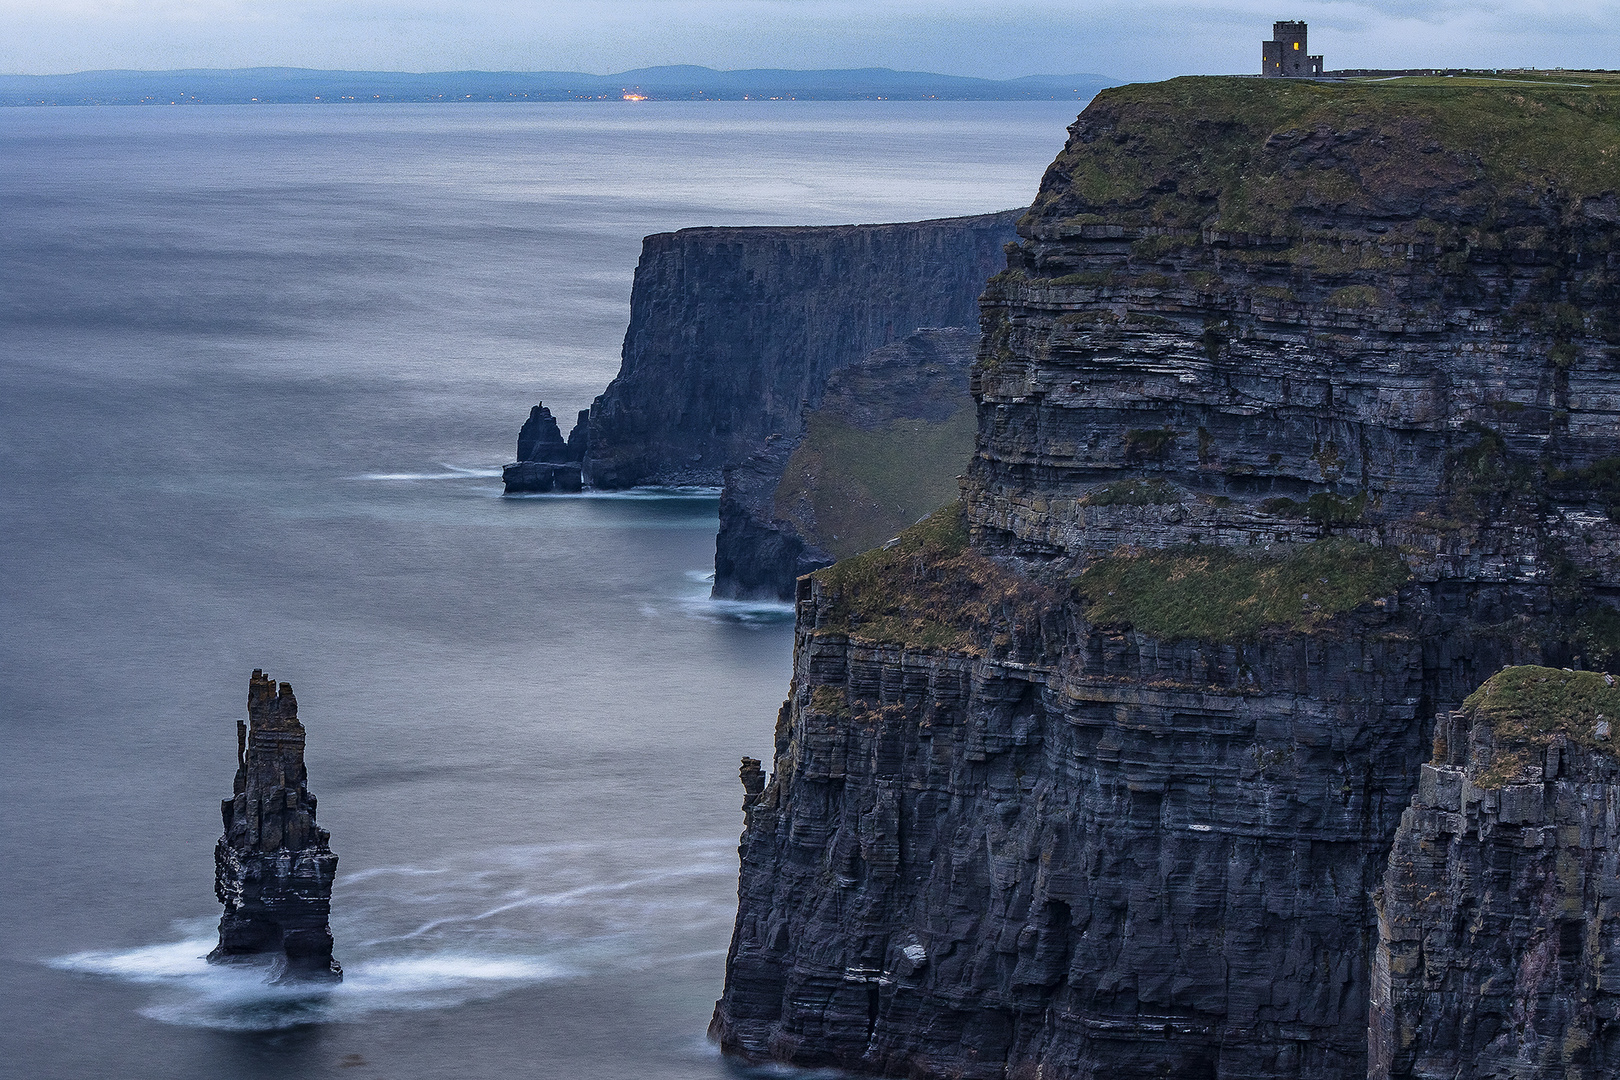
[
  {"x": 1226, "y": 595},
  {"x": 928, "y": 589},
  {"x": 1533, "y": 705}
]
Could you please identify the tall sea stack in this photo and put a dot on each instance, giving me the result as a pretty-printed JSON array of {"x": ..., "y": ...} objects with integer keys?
[{"x": 273, "y": 869}]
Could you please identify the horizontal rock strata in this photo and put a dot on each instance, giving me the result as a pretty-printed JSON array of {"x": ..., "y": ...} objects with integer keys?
[
  {"x": 273, "y": 865},
  {"x": 733, "y": 332},
  {"x": 1038, "y": 807},
  {"x": 1499, "y": 932}
]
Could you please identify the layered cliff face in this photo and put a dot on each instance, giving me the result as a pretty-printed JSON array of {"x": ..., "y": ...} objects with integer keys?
[
  {"x": 885, "y": 447},
  {"x": 1499, "y": 935},
  {"x": 273, "y": 866},
  {"x": 733, "y": 332},
  {"x": 1385, "y": 311},
  {"x": 1296, "y": 422}
]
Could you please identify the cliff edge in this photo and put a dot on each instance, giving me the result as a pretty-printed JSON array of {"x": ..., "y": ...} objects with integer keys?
[
  {"x": 733, "y": 332},
  {"x": 1296, "y": 412}
]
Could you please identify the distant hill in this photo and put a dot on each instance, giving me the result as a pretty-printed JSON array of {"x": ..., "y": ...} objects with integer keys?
[{"x": 684, "y": 83}]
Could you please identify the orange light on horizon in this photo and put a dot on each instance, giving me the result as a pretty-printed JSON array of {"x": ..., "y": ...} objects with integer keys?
[{"x": 635, "y": 97}]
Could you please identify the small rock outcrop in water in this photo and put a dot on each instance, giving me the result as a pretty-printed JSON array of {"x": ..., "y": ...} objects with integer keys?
[
  {"x": 273, "y": 869},
  {"x": 1498, "y": 926},
  {"x": 544, "y": 461},
  {"x": 540, "y": 439}
]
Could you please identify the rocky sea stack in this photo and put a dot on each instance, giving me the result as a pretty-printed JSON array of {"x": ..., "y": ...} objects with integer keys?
[
  {"x": 1297, "y": 414},
  {"x": 273, "y": 868}
]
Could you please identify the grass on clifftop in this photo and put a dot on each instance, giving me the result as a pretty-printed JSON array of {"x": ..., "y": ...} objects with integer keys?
[
  {"x": 1257, "y": 153},
  {"x": 1224, "y": 595},
  {"x": 929, "y": 590},
  {"x": 1532, "y": 704}
]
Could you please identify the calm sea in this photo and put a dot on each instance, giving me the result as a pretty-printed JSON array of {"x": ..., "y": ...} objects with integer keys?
[{"x": 259, "y": 368}]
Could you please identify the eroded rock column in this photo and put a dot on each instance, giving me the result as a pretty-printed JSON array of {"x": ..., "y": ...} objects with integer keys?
[{"x": 273, "y": 868}]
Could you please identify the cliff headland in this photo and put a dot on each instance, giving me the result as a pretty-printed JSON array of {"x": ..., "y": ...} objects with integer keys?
[
  {"x": 1296, "y": 409},
  {"x": 733, "y": 332}
]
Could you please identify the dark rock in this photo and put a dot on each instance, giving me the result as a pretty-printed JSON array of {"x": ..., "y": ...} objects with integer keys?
[
  {"x": 579, "y": 439},
  {"x": 540, "y": 439},
  {"x": 1497, "y": 918},
  {"x": 758, "y": 556},
  {"x": 532, "y": 477},
  {"x": 734, "y": 330},
  {"x": 273, "y": 868},
  {"x": 885, "y": 447},
  {"x": 545, "y": 462},
  {"x": 1000, "y": 840}
]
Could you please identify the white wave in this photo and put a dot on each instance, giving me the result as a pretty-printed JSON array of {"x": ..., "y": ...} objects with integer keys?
[
  {"x": 242, "y": 997},
  {"x": 479, "y": 925},
  {"x": 749, "y": 613},
  {"x": 148, "y": 963},
  {"x": 686, "y": 492},
  {"x": 449, "y": 472}
]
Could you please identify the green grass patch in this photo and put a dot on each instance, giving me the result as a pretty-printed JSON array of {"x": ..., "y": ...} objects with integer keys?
[
  {"x": 1225, "y": 595},
  {"x": 1598, "y": 482},
  {"x": 1357, "y": 297},
  {"x": 1596, "y": 635},
  {"x": 927, "y": 590},
  {"x": 829, "y": 700},
  {"x": 1483, "y": 477},
  {"x": 1174, "y": 154},
  {"x": 1532, "y": 704},
  {"x": 1324, "y": 508},
  {"x": 863, "y": 487}
]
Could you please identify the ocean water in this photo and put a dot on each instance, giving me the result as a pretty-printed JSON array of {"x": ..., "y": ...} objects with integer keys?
[{"x": 259, "y": 368}]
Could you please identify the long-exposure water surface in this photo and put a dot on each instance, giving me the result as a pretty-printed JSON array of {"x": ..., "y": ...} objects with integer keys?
[{"x": 259, "y": 368}]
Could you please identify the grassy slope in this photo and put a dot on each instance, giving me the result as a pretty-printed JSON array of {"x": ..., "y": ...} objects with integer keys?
[
  {"x": 863, "y": 486},
  {"x": 1220, "y": 594},
  {"x": 1530, "y": 705},
  {"x": 1178, "y": 153},
  {"x": 928, "y": 590}
]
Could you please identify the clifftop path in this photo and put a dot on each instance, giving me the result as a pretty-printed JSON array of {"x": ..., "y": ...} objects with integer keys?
[{"x": 1297, "y": 412}]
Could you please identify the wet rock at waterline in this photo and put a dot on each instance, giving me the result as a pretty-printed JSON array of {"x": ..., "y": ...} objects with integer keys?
[{"x": 273, "y": 868}]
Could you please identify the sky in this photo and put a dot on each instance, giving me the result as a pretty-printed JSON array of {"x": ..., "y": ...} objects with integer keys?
[{"x": 1125, "y": 39}]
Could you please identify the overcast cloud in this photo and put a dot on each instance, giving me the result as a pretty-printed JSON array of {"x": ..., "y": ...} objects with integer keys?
[{"x": 1128, "y": 39}]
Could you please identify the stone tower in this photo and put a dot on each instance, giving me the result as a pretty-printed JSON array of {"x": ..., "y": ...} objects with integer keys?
[
  {"x": 273, "y": 869},
  {"x": 1284, "y": 56}
]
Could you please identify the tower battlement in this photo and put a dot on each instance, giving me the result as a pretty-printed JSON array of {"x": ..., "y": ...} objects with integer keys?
[{"x": 1285, "y": 55}]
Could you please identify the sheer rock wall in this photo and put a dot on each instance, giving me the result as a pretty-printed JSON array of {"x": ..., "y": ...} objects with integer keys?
[
  {"x": 1242, "y": 315},
  {"x": 1499, "y": 933},
  {"x": 733, "y": 332}
]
